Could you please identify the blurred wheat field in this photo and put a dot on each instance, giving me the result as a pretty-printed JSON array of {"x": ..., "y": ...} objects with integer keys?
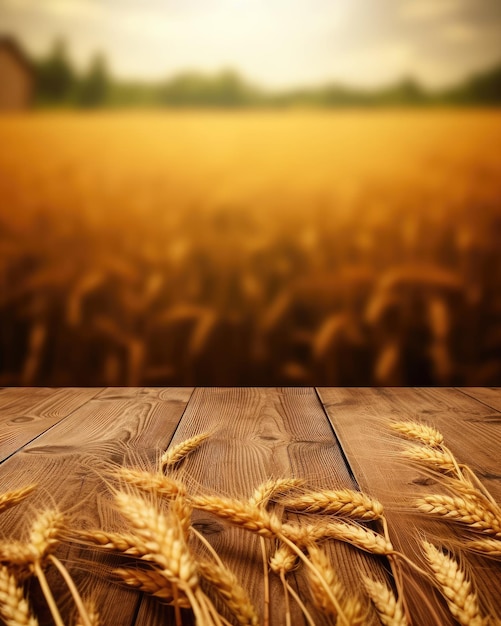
[{"x": 250, "y": 247}]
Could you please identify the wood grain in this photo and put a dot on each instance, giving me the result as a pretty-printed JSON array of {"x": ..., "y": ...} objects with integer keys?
[
  {"x": 258, "y": 434},
  {"x": 27, "y": 413},
  {"x": 361, "y": 419},
  {"x": 68, "y": 462},
  {"x": 490, "y": 396}
]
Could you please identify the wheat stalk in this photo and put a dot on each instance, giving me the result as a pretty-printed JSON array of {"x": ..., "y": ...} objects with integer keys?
[
  {"x": 14, "y": 607},
  {"x": 343, "y": 503},
  {"x": 389, "y": 609},
  {"x": 11, "y": 498},
  {"x": 463, "y": 510},
  {"x": 178, "y": 452},
  {"x": 163, "y": 535},
  {"x": 454, "y": 585},
  {"x": 232, "y": 593},
  {"x": 419, "y": 432}
]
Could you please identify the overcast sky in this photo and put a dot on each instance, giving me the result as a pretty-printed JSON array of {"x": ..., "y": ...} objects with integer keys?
[{"x": 276, "y": 43}]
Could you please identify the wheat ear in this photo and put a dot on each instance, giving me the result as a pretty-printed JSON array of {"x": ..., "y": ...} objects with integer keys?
[
  {"x": 177, "y": 453},
  {"x": 419, "y": 432},
  {"x": 127, "y": 543},
  {"x": 464, "y": 510},
  {"x": 343, "y": 503},
  {"x": 152, "y": 482},
  {"x": 440, "y": 460},
  {"x": 454, "y": 585},
  {"x": 11, "y": 498},
  {"x": 45, "y": 533},
  {"x": 487, "y": 547},
  {"x": 151, "y": 582},
  {"x": 242, "y": 514},
  {"x": 358, "y": 536},
  {"x": 389, "y": 609},
  {"x": 14, "y": 607},
  {"x": 92, "y": 613},
  {"x": 272, "y": 488},
  {"x": 164, "y": 536},
  {"x": 232, "y": 593}
]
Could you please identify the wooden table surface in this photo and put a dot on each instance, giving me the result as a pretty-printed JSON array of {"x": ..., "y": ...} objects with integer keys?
[{"x": 66, "y": 440}]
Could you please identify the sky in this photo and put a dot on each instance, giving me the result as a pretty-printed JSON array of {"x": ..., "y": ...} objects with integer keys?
[{"x": 275, "y": 43}]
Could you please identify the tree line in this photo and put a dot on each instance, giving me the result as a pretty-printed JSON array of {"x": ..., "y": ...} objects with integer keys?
[{"x": 59, "y": 84}]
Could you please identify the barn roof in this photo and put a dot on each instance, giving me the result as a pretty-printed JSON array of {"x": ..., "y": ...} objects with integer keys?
[{"x": 12, "y": 46}]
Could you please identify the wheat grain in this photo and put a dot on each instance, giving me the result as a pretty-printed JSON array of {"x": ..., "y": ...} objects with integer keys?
[
  {"x": 283, "y": 560},
  {"x": 126, "y": 543},
  {"x": 14, "y": 607},
  {"x": 11, "y": 498},
  {"x": 456, "y": 588},
  {"x": 153, "y": 583},
  {"x": 354, "y": 612},
  {"x": 92, "y": 614},
  {"x": 389, "y": 609},
  {"x": 154, "y": 483},
  {"x": 323, "y": 568},
  {"x": 463, "y": 510},
  {"x": 242, "y": 514},
  {"x": 343, "y": 503},
  {"x": 273, "y": 487},
  {"x": 488, "y": 547},
  {"x": 358, "y": 536},
  {"x": 232, "y": 593},
  {"x": 45, "y": 533},
  {"x": 440, "y": 460},
  {"x": 178, "y": 452},
  {"x": 420, "y": 432},
  {"x": 164, "y": 537},
  {"x": 15, "y": 553}
]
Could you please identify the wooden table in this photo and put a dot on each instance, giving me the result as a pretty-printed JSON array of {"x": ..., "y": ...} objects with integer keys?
[{"x": 67, "y": 439}]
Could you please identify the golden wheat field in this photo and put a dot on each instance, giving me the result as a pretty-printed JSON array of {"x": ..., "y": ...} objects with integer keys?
[{"x": 251, "y": 247}]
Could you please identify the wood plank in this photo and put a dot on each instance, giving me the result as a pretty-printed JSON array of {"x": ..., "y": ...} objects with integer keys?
[
  {"x": 69, "y": 460},
  {"x": 490, "y": 396},
  {"x": 257, "y": 434},
  {"x": 26, "y": 413},
  {"x": 361, "y": 417}
]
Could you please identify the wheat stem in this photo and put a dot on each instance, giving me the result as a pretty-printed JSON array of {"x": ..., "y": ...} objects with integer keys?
[
  {"x": 51, "y": 603},
  {"x": 301, "y": 605},
  {"x": 317, "y": 575},
  {"x": 73, "y": 590}
]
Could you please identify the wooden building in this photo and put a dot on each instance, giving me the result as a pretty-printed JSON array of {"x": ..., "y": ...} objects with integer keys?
[{"x": 16, "y": 76}]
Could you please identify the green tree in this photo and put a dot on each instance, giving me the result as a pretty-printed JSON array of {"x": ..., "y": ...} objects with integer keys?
[
  {"x": 95, "y": 85},
  {"x": 55, "y": 75}
]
